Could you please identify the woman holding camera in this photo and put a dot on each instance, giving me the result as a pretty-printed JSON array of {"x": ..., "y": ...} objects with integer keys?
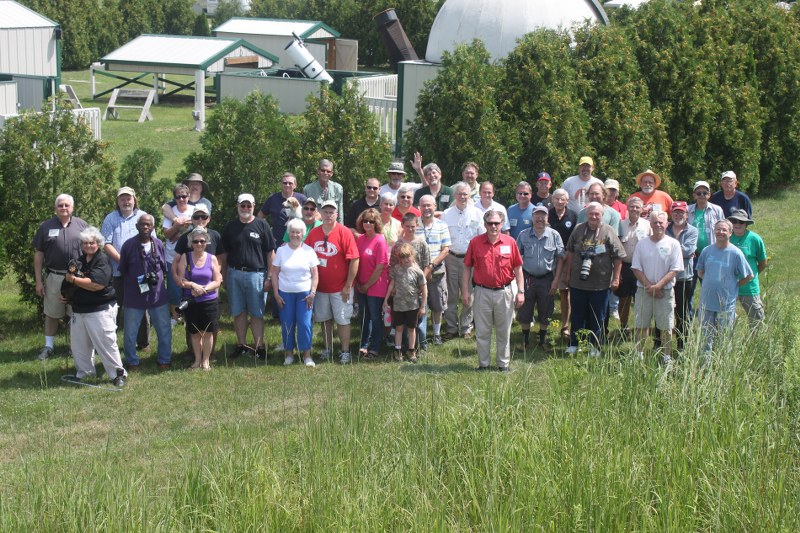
[
  {"x": 94, "y": 308},
  {"x": 200, "y": 277}
]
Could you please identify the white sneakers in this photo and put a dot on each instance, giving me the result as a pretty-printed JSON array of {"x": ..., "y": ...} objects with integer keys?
[
  {"x": 288, "y": 360},
  {"x": 572, "y": 350},
  {"x": 309, "y": 363}
]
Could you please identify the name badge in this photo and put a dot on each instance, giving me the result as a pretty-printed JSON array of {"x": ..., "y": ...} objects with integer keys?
[
  {"x": 513, "y": 222},
  {"x": 143, "y": 286},
  {"x": 53, "y": 233},
  {"x": 600, "y": 249},
  {"x": 323, "y": 262},
  {"x": 444, "y": 198},
  {"x": 505, "y": 250}
]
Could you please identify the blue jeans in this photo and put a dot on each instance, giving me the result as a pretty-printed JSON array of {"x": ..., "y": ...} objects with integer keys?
[
  {"x": 246, "y": 293},
  {"x": 712, "y": 323},
  {"x": 295, "y": 315},
  {"x": 372, "y": 321},
  {"x": 588, "y": 312},
  {"x": 160, "y": 319}
]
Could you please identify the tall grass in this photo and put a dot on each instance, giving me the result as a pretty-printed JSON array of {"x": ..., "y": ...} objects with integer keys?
[{"x": 609, "y": 445}]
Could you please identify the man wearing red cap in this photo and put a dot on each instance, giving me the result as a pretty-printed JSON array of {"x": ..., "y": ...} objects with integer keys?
[{"x": 686, "y": 235}]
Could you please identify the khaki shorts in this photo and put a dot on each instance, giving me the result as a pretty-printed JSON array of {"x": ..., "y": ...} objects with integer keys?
[
  {"x": 329, "y": 305},
  {"x": 646, "y": 308},
  {"x": 53, "y": 307},
  {"x": 437, "y": 293}
]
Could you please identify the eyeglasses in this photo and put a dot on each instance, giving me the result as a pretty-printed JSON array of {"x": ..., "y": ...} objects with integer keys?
[
  {"x": 201, "y": 216},
  {"x": 198, "y": 242},
  {"x": 405, "y": 197},
  {"x": 309, "y": 208},
  {"x": 182, "y": 196},
  {"x": 368, "y": 222},
  {"x": 523, "y": 194},
  {"x": 371, "y": 188},
  {"x": 287, "y": 183},
  {"x": 494, "y": 223},
  {"x": 246, "y": 205},
  {"x": 701, "y": 193}
]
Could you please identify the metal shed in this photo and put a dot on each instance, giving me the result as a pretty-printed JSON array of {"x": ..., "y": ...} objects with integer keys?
[
  {"x": 321, "y": 40},
  {"x": 30, "y": 55},
  {"x": 200, "y": 57}
]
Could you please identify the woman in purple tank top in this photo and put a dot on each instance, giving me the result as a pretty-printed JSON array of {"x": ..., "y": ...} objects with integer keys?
[{"x": 200, "y": 277}]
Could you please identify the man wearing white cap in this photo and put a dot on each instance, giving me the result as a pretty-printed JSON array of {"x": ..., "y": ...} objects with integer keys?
[
  {"x": 577, "y": 185},
  {"x": 729, "y": 198},
  {"x": 119, "y": 226},
  {"x": 703, "y": 216},
  {"x": 612, "y": 188},
  {"x": 248, "y": 247}
]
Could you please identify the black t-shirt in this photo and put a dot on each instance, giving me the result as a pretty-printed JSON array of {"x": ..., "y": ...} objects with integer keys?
[
  {"x": 247, "y": 245},
  {"x": 99, "y": 271},
  {"x": 565, "y": 226},
  {"x": 358, "y": 207},
  {"x": 214, "y": 246},
  {"x": 547, "y": 202}
]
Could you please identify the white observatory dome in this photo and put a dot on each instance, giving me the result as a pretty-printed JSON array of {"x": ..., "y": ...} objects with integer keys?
[{"x": 499, "y": 23}]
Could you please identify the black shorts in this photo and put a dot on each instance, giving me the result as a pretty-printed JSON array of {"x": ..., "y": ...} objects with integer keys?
[
  {"x": 408, "y": 319},
  {"x": 627, "y": 282},
  {"x": 201, "y": 317}
]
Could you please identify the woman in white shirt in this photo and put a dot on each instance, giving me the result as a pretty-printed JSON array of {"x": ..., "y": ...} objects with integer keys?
[{"x": 294, "y": 284}]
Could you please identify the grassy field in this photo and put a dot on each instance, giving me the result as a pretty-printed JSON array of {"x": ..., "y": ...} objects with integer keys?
[{"x": 559, "y": 444}]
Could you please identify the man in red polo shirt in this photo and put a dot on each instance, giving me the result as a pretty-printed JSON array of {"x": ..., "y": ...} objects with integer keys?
[{"x": 492, "y": 262}]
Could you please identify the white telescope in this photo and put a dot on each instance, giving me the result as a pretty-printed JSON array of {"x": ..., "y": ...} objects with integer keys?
[{"x": 303, "y": 60}]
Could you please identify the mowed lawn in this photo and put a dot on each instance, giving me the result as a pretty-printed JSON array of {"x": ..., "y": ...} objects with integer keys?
[{"x": 559, "y": 444}]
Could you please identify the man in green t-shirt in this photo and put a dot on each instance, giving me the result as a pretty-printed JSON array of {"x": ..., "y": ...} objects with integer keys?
[{"x": 752, "y": 246}]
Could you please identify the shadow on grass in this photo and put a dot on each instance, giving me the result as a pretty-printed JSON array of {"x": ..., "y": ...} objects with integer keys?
[{"x": 15, "y": 322}]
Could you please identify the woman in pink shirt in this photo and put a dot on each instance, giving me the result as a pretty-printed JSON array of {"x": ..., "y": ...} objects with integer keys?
[{"x": 372, "y": 280}]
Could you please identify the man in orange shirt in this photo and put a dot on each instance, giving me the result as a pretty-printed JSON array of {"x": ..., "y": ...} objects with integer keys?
[{"x": 652, "y": 198}]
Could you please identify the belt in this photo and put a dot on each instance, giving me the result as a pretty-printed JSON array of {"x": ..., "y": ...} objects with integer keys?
[
  {"x": 246, "y": 269},
  {"x": 491, "y": 288},
  {"x": 460, "y": 256},
  {"x": 53, "y": 271},
  {"x": 543, "y": 276}
]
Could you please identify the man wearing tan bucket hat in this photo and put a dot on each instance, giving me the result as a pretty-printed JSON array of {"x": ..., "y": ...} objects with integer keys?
[{"x": 652, "y": 198}]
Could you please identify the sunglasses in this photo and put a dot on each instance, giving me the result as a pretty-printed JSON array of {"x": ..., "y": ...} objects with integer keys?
[
  {"x": 494, "y": 223},
  {"x": 701, "y": 193},
  {"x": 182, "y": 196},
  {"x": 523, "y": 194},
  {"x": 202, "y": 217},
  {"x": 198, "y": 242},
  {"x": 371, "y": 188},
  {"x": 367, "y": 221},
  {"x": 312, "y": 208},
  {"x": 63, "y": 205}
]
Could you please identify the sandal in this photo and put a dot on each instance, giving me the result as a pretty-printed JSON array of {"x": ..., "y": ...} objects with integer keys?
[
  {"x": 565, "y": 332},
  {"x": 362, "y": 352},
  {"x": 372, "y": 355}
]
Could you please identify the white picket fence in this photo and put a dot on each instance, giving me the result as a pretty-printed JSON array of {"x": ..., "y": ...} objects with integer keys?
[
  {"x": 380, "y": 92},
  {"x": 90, "y": 116}
]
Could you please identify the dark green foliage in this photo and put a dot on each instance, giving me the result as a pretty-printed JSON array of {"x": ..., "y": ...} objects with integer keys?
[
  {"x": 137, "y": 171},
  {"x": 246, "y": 146},
  {"x": 226, "y": 10},
  {"x": 458, "y": 119},
  {"x": 42, "y": 156},
  {"x": 628, "y": 136},
  {"x": 200, "y": 27},
  {"x": 539, "y": 99},
  {"x": 342, "y": 129}
]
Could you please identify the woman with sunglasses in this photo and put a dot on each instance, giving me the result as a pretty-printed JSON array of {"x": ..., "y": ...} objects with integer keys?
[
  {"x": 173, "y": 229},
  {"x": 372, "y": 280},
  {"x": 200, "y": 277}
]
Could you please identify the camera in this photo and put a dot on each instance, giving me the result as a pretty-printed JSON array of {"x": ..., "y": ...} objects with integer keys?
[
  {"x": 586, "y": 262},
  {"x": 150, "y": 278},
  {"x": 181, "y": 308}
]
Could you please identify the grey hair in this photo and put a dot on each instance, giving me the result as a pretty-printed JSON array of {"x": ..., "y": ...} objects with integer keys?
[
  {"x": 296, "y": 224},
  {"x": 655, "y": 215},
  {"x": 524, "y": 184},
  {"x": 726, "y": 222},
  {"x": 92, "y": 234},
  {"x": 592, "y": 205},
  {"x": 65, "y": 197},
  {"x": 430, "y": 166},
  {"x": 560, "y": 192},
  {"x": 198, "y": 230},
  {"x": 635, "y": 199},
  {"x": 427, "y": 197},
  {"x": 325, "y": 163},
  {"x": 497, "y": 212},
  {"x": 389, "y": 196},
  {"x": 405, "y": 188}
]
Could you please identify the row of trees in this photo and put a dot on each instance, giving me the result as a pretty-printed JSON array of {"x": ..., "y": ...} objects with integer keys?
[
  {"x": 687, "y": 90},
  {"x": 246, "y": 147},
  {"x": 93, "y": 28}
]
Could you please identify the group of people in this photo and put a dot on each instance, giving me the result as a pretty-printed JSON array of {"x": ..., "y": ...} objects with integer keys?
[{"x": 405, "y": 253}]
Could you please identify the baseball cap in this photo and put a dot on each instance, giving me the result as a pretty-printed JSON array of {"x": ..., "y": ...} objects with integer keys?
[
  {"x": 701, "y": 184},
  {"x": 612, "y": 184},
  {"x": 125, "y": 190},
  {"x": 246, "y": 197},
  {"x": 201, "y": 208},
  {"x": 586, "y": 160},
  {"x": 539, "y": 209},
  {"x": 728, "y": 174},
  {"x": 543, "y": 176},
  {"x": 329, "y": 203},
  {"x": 680, "y": 206},
  {"x": 310, "y": 200}
]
